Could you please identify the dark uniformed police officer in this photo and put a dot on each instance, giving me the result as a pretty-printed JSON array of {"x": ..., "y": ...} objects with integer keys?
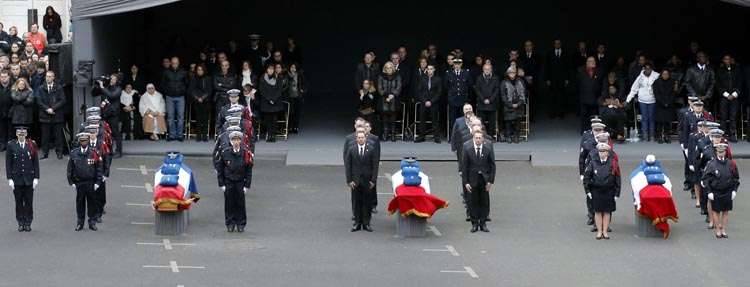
[
  {"x": 85, "y": 171},
  {"x": 22, "y": 171},
  {"x": 696, "y": 141},
  {"x": 233, "y": 108},
  {"x": 223, "y": 142},
  {"x": 688, "y": 125},
  {"x": 457, "y": 83},
  {"x": 588, "y": 144},
  {"x": 235, "y": 173},
  {"x": 104, "y": 150},
  {"x": 721, "y": 180}
]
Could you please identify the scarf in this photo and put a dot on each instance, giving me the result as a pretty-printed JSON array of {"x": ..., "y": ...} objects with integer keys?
[{"x": 270, "y": 81}]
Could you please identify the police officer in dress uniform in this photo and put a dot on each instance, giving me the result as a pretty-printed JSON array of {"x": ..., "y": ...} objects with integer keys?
[
  {"x": 85, "y": 170},
  {"x": 235, "y": 173},
  {"x": 681, "y": 114},
  {"x": 104, "y": 150},
  {"x": 721, "y": 180},
  {"x": 696, "y": 141},
  {"x": 361, "y": 165},
  {"x": 223, "y": 141},
  {"x": 477, "y": 176},
  {"x": 457, "y": 84},
  {"x": 602, "y": 184},
  {"x": 234, "y": 104},
  {"x": 588, "y": 144},
  {"x": 708, "y": 153},
  {"x": 689, "y": 124},
  {"x": 22, "y": 172}
]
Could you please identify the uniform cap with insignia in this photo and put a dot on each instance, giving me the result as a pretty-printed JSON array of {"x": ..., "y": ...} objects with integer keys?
[
  {"x": 703, "y": 123},
  {"x": 234, "y": 93},
  {"x": 595, "y": 119},
  {"x": 83, "y": 136},
  {"x": 231, "y": 129},
  {"x": 603, "y": 147},
  {"x": 693, "y": 98},
  {"x": 91, "y": 129},
  {"x": 93, "y": 119},
  {"x": 235, "y": 134},
  {"x": 232, "y": 120},
  {"x": 458, "y": 61},
  {"x": 716, "y": 133},
  {"x": 714, "y": 125},
  {"x": 23, "y": 130},
  {"x": 721, "y": 146},
  {"x": 602, "y": 136},
  {"x": 698, "y": 103},
  {"x": 254, "y": 37},
  {"x": 598, "y": 126},
  {"x": 93, "y": 111}
]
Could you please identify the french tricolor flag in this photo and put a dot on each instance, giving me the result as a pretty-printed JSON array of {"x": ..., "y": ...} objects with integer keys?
[{"x": 174, "y": 185}]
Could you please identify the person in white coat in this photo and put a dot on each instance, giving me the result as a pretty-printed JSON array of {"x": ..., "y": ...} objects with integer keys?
[
  {"x": 152, "y": 109},
  {"x": 646, "y": 99}
]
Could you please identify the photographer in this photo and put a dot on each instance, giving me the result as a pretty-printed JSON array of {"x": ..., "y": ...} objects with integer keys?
[{"x": 110, "y": 105}]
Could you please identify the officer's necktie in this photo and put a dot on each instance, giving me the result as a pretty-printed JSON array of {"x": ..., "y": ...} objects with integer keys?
[{"x": 477, "y": 151}]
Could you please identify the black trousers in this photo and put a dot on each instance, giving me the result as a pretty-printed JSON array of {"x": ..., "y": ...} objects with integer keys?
[
  {"x": 615, "y": 124},
  {"x": 511, "y": 128},
  {"x": 479, "y": 202},
  {"x": 52, "y": 130},
  {"x": 362, "y": 203},
  {"x": 295, "y": 115},
  {"x": 114, "y": 124},
  {"x": 489, "y": 118},
  {"x": 589, "y": 207},
  {"x": 389, "y": 123},
  {"x": 126, "y": 120},
  {"x": 454, "y": 112},
  {"x": 269, "y": 123},
  {"x": 556, "y": 99},
  {"x": 85, "y": 196},
  {"x": 100, "y": 196},
  {"x": 433, "y": 112},
  {"x": 5, "y": 132},
  {"x": 728, "y": 112},
  {"x": 202, "y": 112},
  {"x": 234, "y": 204},
  {"x": 24, "y": 195},
  {"x": 663, "y": 129}
]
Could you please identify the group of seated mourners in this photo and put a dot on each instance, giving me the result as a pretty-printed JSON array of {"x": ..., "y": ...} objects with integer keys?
[{"x": 410, "y": 98}]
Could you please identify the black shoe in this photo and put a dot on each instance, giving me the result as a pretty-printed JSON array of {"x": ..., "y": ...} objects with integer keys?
[
  {"x": 98, "y": 219},
  {"x": 230, "y": 228},
  {"x": 660, "y": 141},
  {"x": 593, "y": 229},
  {"x": 468, "y": 219},
  {"x": 515, "y": 139},
  {"x": 437, "y": 140},
  {"x": 719, "y": 236},
  {"x": 606, "y": 237},
  {"x": 92, "y": 226},
  {"x": 79, "y": 227},
  {"x": 488, "y": 219},
  {"x": 356, "y": 227},
  {"x": 271, "y": 140},
  {"x": 21, "y": 228},
  {"x": 240, "y": 229},
  {"x": 590, "y": 221},
  {"x": 724, "y": 236},
  {"x": 374, "y": 211},
  {"x": 181, "y": 139},
  {"x": 667, "y": 140},
  {"x": 45, "y": 155},
  {"x": 484, "y": 228},
  {"x": 474, "y": 228},
  {"x": 27, "y": 228},
  {"x": 169, "y": 139},
  {"x": 419, "y": 140},
  {"x": 686, "y": 187},
  {"x": 367, "y": 228}
]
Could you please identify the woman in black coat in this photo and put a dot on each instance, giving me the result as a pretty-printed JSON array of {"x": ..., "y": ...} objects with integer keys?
[
  {"x": 665, "y": 90},
  {"x": 270, "y": 101},
  {"x": 199, "y": 92},
  {"x": 52, "y": 24},
  {"x": 389, "y": 88},
  {"x": 601, "y": 180},
  {"x": 22, "y": 111}
]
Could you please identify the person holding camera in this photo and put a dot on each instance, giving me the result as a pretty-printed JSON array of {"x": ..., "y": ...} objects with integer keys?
[{"x": 110, "y": 105}]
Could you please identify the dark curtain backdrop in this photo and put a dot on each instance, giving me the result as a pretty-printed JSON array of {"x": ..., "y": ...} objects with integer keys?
[{"x": 334, "y": 35}]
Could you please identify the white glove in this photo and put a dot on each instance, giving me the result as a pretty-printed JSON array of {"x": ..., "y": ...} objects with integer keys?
[
  {"x": 685, "y": 152},
  {"x": 104, "y": 178},
  {"x": 588, "y": 194},
  {"x": 223, "y": 188},
  {"x": 73, "y": 186},
  {"x": 734, "y": 94},
  {"x": 617, "y": 197},
  {"x": 581, "y": 177},
  {"x": 725, "y": 94},
  {"x": 691, "y": 167},
  {"x": 245, "y": 190},
  {"x": 734, "y": 194},
  {"x": 10, "y": 182},
  {"x": 711, "y": 196},
  {"x": 34, "y": 183},
  {"x": 96, "y": 186}
]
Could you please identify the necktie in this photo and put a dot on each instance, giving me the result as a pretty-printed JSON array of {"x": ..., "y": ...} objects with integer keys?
[
  {"x": 23, "y": 145},
  {"x": 429, "y": 83},
  {"x": 478, "y": 153},
  {"x": 361, "y": 151}
]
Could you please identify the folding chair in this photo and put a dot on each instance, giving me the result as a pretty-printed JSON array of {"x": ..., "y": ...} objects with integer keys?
[
  {"x": 283, "y": 123},
  {"x": 402, "y": 122},
  {"x": 524, "y": 125}
]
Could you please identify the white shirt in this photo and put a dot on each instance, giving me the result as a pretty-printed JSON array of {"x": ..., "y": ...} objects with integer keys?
[
  {"x": 361, "y": 149},
  {"x": 558, "y": 52},
  {"x": 23, "y": 144},
  {"x": 478, "y": 147},
  {"x": 83, "y": 150},
  {"x": 642, "y": 88},
  {"x": 702, "y": 67},
  {"x": 127, "y": 99}
]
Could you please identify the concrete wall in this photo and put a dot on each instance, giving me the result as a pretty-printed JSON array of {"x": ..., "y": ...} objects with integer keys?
[{"x": 14, "y": 13}]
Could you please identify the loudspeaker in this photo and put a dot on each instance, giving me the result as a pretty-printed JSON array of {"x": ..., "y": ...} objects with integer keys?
[
  {"x": 32, "y": 18},
  {"x": 61, "y": 61},
  {"x": 84, "y": 74}
]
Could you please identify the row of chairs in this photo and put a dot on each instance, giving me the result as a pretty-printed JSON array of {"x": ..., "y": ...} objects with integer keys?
[{"x": 282, "y": 130}]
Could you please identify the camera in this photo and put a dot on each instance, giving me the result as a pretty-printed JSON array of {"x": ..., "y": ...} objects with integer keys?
[{"x": 102, "y": 78}]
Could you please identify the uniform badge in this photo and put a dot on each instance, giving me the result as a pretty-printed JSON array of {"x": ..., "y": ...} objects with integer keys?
[
  {"x": 595, "y": 172},
  {"x": 716, "y": 172},
  {"x": 91, "y": 161},
  {"x": 229, "y": 162}
]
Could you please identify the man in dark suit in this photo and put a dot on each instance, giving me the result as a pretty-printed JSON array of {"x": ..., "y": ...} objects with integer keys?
[
  {"x": 460, "y": 132},
  {"x": 478, "y": 175},
  {"x": 556, "y": 72},
  {"x": 532, "y": 65},
  {"x": 603, "y": 60},
  {"x": 22, "y": 172},
  {"x": 367, "y": 70},
  {"x": 51, "y": 100},
  {"x": 487, "y": 88},
  {"x": 361, "y": 166},
  {"x": 428, "y": 95}
]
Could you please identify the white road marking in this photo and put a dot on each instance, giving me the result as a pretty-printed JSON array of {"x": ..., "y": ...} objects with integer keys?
[
  {"x": 467, "y": 270},
  {"x": 128, "y": 169},
  {"x": 168, "y": 245},
  {"x": 138, "y": 204},
  {"x": 148, "y": 187},
  {"x": 448, "y": 248},
  {"x": 144, "y": 171},
  {"x": 385, "y": 193},
  {"x": 174, "y": 267},
  {"x": 141, "y": 223},
  {"x": 131, "y": 186},
  {"x": 388, "y": 176},
  {"x": 434, "y": 230}
]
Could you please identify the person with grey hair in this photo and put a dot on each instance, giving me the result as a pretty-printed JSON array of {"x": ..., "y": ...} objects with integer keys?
[
  {"x": 389, "y": 87},
  {"x": 487, "y": 89}
]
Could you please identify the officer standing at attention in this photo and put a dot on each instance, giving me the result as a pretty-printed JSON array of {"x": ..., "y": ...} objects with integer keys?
[
  {"x": 85, "y": 171},
  {"x": 235, "y": 173},
  {"x": 361, "y": 165},
  {"x": 478, "y": 175},
  {"x": 22, "y": 171}
]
